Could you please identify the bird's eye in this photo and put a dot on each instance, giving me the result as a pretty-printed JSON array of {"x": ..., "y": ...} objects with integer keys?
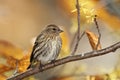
[{"x": 54, "y": 29}]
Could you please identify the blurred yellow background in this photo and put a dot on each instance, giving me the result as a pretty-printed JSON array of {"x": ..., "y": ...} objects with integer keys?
[{"x": 22, "y": 20}]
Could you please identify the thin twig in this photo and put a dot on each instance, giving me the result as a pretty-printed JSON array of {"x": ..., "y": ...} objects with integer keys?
[
  {"x": 78, "y": 42},
  {"x": 73, "y": 40},
  {"x": 78, "y": 32},
  {"x": 82, "y": 35},
  {"x": 99, "y": 34},
  {"x": 91, "y": 54}
]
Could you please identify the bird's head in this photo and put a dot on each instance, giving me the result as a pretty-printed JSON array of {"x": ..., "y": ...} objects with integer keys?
[{"x": 53, "y": 29}]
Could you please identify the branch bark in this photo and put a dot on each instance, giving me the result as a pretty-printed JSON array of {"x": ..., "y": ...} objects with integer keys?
[
  {"x": 78, "y": 31},
  {"x": 91, "y": 54}
]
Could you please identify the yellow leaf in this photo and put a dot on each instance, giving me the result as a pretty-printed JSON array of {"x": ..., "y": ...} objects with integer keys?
[
  {"x": 4, "y": 68},
  {"x": 2, "y": 77},
  {"x": 93, "y": 39},
  {"x": 7, "y": 49},
  {"x": 11, "y": 62},
  {"x": 65, "y": 44},
  {"x": 24, "y": 62},
  {"x": 68, "y": 78}
]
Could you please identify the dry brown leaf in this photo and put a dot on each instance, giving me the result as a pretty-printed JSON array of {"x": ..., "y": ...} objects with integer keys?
[
  {"x": 93, "y": 39},
  {"x": 7, "y": 49}
]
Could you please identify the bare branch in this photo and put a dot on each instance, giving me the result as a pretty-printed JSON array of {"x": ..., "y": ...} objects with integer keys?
[
  {"x": 77, "y": 43},
  {"x": 73, "y": 40},
  {"x": 99, "y": 34},
  {"x": 81, "y": 35},
  {"x": 78, "y": 32},
  {"x": 91, "y": 54}
]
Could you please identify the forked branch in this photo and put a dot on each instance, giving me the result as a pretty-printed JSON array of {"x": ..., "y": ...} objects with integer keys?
[{"x": 78, "y": 31}]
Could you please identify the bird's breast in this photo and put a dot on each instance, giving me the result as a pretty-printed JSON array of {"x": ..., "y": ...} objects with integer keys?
[{"x": 53, "y": 48}]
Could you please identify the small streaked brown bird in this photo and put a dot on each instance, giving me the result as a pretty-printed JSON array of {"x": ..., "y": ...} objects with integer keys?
[{"x": 47, "y": 46}]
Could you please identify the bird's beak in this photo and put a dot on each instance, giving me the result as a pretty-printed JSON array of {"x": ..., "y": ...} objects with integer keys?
[{"x": 61, "y": 31}]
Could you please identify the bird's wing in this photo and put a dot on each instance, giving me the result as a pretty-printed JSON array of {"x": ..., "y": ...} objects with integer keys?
[
  {"x": 32, "y": 54},
  {"x": 36, "y": 44}
]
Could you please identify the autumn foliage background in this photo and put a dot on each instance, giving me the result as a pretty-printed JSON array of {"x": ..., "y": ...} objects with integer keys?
[{"x": 22, "y": 20}]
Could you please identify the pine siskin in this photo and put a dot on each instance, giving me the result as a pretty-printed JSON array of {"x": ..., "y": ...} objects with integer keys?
[{"x": 47, "y": 46}]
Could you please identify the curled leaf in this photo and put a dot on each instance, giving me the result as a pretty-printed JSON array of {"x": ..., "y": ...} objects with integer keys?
[{"x": 93, "y": 39}]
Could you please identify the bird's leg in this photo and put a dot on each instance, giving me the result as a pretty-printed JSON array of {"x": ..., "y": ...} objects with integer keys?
[{"x": 40, "y": 66}]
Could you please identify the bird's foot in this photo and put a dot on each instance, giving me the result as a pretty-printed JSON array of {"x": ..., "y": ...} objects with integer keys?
[
  {"x": 53, "y": 62},
  {"x": 40, "y": 67}
]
